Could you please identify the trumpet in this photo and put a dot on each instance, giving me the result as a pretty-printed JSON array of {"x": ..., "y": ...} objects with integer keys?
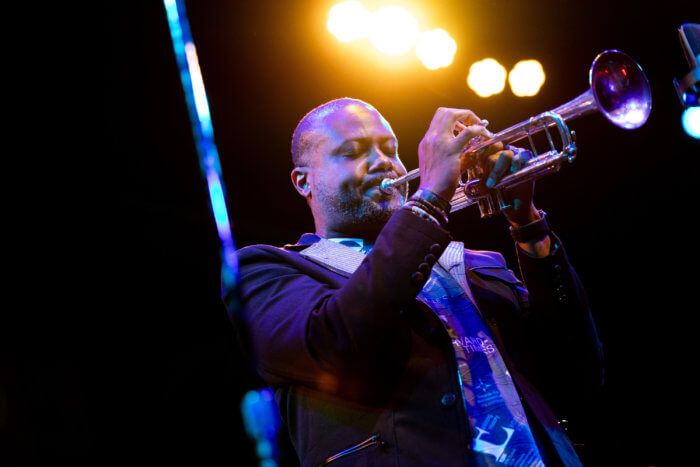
[{"x": 618, "y": 89}]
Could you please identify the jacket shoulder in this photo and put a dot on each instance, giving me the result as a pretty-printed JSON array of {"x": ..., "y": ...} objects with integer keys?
[
  {"x": 256, "y": 253},
  {"x": 253, "y": 251},
  {"x": 265, "y": 262}
]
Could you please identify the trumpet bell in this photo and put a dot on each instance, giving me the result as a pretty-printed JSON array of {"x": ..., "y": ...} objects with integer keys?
[{"x": 621, "y": 89}]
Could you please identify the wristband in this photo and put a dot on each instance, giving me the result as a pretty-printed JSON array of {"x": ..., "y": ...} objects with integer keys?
[
  {"x": 432, "y": 198},
  {"x": 534, "y": 231}
]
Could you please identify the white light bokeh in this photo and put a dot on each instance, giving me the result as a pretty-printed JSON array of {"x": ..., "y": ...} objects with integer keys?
[
  {"x": 435, "y": 48},
  {"x": 691, "y": 121},
  {"x": 393, "y": 30},
  {"x": 487, "y": 77},
  {"x": 348, "y": 21},
  {"x": 526, "y": 78}
]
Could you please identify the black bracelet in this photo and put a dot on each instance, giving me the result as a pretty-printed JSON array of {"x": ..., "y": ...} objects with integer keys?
[
  {"x": 534, "y": 231},
  {"x": 433, "y": 199}
]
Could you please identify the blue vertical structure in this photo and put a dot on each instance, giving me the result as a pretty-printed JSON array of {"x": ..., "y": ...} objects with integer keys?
[
  {"x": 198, "y": 107},
  {"x": 260, "y": 414}
]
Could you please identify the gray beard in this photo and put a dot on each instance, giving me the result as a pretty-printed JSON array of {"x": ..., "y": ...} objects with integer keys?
[{"x": 358, "y": 213}]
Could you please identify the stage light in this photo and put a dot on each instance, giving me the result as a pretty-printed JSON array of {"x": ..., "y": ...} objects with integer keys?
[
  {"x": 526, "y": 78},
  {"x": 348, "y": 21},
  {"x": 435, "y": 48},
  {"x": 487, "y": 77},
  {"x": 691, "y": 121},
  {"x": 393, "y": 30}
]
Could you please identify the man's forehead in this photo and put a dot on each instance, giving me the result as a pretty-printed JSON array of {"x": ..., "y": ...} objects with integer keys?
[{"x": 355, "y": 121}]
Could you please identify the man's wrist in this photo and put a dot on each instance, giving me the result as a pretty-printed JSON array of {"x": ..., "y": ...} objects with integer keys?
[
  {"x": 531, "y": 232},
  {"x": 523, "y": 217},
  {"x": 443, "y": 191},
  {"x": 434, "y": 199}
]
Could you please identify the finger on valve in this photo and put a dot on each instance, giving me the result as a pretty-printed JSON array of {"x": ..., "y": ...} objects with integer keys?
[{"x": 459, "y": 126}]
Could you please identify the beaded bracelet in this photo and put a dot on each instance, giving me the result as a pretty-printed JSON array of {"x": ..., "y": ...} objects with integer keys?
[
  {"x": 438, "y": 214},
  {"x": 437, "y": 211},
  {"x": 412, "y": 207}
]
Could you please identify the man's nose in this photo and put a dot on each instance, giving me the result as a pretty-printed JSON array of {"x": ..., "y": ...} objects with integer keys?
[{"x": 379, "y": 162}]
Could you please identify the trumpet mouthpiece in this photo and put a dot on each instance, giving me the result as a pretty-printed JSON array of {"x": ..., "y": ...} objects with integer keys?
[{"x": 387, "y": 185}]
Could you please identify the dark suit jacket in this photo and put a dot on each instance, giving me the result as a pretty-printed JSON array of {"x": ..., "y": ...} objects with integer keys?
[{"x": 357, "y": 362}]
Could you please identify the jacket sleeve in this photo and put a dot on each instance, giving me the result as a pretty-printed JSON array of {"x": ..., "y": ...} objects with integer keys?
[
  {"x": 568, "y": 346},
  {"x": 307, "y": 330}
]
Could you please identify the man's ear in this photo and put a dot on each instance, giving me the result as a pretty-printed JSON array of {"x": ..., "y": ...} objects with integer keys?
[{"x": 301, "y": 178}]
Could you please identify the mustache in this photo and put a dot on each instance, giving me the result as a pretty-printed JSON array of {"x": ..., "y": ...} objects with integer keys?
[{"x": 374, "y": 180}]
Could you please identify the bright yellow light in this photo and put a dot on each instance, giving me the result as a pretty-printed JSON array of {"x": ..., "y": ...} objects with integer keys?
[
  {"x": 348, "y": 21},
  {"x": 487, "y": 77},
  {"x": 435, "y": 48},
  {"x": 526, "y": 78},
  {"x": 393, "y": 30}
]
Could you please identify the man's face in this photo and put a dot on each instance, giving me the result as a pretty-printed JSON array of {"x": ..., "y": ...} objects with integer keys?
[{"x": 356, "y": 152}]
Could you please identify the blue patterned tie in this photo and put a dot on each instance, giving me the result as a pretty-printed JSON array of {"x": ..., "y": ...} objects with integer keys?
[{"x": 502, "y": 436}]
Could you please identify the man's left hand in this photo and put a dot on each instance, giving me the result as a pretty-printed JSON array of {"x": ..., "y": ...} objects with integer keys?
[{"x": 505, "y": 162}]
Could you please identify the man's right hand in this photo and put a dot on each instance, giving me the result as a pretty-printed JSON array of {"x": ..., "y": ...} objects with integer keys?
[{"x": 440, "y": 151}]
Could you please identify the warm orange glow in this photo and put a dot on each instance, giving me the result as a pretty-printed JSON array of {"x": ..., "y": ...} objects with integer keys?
[{"x": 392, "y": 30}]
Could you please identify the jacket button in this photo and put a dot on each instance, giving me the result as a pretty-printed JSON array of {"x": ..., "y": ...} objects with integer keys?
[
  {"x": 417, "y": 277},
  {"x": 435, "y": 249},
  {"x": 430, "y": 259},
  {"x": 424, "y": 268},
  {"x": 448, "y": 400}
]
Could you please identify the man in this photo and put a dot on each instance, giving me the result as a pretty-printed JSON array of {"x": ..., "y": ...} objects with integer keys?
[{"x": 405, "y": 348}]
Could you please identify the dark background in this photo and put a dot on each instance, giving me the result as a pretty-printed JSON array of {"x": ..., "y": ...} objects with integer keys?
[{"x": 151, "y": 370}]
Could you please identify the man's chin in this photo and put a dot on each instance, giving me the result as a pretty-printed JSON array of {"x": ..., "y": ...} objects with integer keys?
[
  {"x": 379, "y": 211},
  {"x": 369, "y": 212}
]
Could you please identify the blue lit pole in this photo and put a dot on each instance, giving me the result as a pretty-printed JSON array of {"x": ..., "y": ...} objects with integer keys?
[
  {"x": 198, "y": 107},
  {"x": 260, "y": 414},
  {"x": 262, "y": 422}
]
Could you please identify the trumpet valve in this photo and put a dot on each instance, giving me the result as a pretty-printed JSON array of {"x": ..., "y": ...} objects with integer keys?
[{"x": 473, "y": 188}]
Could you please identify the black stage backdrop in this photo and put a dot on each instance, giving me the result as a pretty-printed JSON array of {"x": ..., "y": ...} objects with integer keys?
[{"x": 169, "y": 385}]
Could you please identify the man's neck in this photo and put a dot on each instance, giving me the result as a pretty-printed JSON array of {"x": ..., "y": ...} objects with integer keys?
[{"x": 365, "y": 234}]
